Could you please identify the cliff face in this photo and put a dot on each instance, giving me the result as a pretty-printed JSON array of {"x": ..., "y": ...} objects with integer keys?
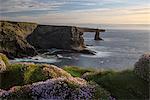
[
  {"x": 20, "y": 39},
  {"x": 62, "y": 37},
  {"x": 12, "y": 39}
]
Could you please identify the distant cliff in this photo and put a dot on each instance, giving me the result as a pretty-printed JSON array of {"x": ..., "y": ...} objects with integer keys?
[
  {"x": 20, "y": 39},
  {"x": 61, "y": 37}
]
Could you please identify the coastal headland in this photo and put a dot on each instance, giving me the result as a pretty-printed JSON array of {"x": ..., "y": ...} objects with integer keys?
[{"x": 17, "y": 39}]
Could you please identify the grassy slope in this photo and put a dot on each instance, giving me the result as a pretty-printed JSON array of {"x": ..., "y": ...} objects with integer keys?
[
  {"x": 122, "y": 85},
  {"x": 76, "y": 71},
  {"x": 12, "y": 36},
  {"x": 17, "y": 28},
  {"x": 27, "y": 73}
]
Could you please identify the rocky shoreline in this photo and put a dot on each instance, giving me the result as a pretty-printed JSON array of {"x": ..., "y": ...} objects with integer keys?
[
  {"x": 23, "y": 39},
  {"x": 44, "y": 81}
]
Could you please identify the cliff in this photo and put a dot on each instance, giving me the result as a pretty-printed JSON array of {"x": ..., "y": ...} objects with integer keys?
[
  {"x": 12, "y": 39},
  {"x": 61, "y": 37},
  {"x": 21, "y": 39}
]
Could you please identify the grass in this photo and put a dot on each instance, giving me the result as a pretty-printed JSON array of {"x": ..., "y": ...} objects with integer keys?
[
  {"x": 21, "y": 74},
  {"x": 122, "y": 85},
  {"x": 76, "y": 71},
  {"x": 18, "y": 28},
  {"x": 34, "y": 73},
  {"x": 13, "y": 34},
  {"x": 13, "y": 76}
]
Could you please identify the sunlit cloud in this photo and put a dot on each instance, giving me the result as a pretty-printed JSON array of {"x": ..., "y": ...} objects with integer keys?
[{"x": 76, "y": 11}]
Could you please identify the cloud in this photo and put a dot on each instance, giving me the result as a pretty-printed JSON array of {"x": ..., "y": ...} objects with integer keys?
[
  {"x": 26, "y": 5},
  {"x": 75, "y": 11},
  {"x": 60, "y": 5},
  {"x": 93, "y": 16}
]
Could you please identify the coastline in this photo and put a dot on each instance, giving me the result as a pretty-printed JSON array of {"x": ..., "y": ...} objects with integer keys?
[{"x": 27, "y": 76}]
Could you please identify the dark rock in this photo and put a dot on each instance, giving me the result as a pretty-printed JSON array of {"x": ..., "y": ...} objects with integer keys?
[
  {"x": 89, "y": 45},
  {"x": 86, "y": 51},
  {"x": 60, "y": 37},
  {"x": 22, "y": 39}
]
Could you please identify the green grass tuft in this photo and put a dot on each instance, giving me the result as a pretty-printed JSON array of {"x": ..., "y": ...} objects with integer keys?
[
  {"x": 34, "y": 74},
  {"x": 76, "y": 71},
  {"x": 122, "y": 85},
  {"x": 13, "y": 76}
]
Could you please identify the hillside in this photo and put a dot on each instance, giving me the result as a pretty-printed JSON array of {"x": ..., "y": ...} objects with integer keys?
[
  {"x": 12, "y": 38},
  {"x": 22, "y": 39}
]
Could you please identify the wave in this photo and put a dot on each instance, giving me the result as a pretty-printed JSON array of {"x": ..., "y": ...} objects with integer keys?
[{"x": 38, "y": 59}]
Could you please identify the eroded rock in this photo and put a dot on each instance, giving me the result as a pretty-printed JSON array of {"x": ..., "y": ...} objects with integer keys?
[
  {"x": 60, "y": 37},
  {"x": 12, "y": 39},
  {"x": 2, "y": 66},
  {"x": 142, "y": 67}
]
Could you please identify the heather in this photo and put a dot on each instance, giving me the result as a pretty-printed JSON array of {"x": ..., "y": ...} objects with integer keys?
[
  {"x": 25, "y": 73},
  {"x": 57, "y": 89},
  {"x": 43, "y": 81}
]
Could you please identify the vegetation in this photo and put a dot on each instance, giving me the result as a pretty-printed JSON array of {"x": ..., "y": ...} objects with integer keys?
[
  {"x": 125, "y": 84},
  {"x": 17, "y": 81},
  {"x": 4, "y": 59},
  {"x": 76, "y": 71},
  {"x": 34, "y": 73},
  {"x": 142, "y": 67},
  {"x": 26, "y": 73},
  {"x": 57, "y": 89},
  {"x": 17, "y": 28},
  {"x": 12, "y": 76},
  {"x": 122, "y": 85},
  {"x": 12, "y": 36}
]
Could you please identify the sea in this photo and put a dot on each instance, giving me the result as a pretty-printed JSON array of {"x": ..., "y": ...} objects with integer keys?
[{"x": 120, "y": 49}]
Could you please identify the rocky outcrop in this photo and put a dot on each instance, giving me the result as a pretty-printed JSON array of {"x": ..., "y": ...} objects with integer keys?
[
  {"x": 12, "y": 39},
  {"x": 60, "y": 37},
  {"x": 2, "y": 66},
  {"x": 21, "y": 39},
  {"x": 142, "y": 67}
]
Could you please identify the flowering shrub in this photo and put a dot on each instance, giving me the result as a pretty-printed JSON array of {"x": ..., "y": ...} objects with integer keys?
[
  {"x": 40, "y": 72},
  {"x": 54, "y": 71},
  {"x": 57, "y": 89},
  {"x": 25, "y": 73},
  {"x": 142, "y": 67},
  {"x": 59, "y": 86}
]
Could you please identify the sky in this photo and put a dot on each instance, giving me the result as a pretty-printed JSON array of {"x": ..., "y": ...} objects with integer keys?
[{"x": 77, "y": 11}]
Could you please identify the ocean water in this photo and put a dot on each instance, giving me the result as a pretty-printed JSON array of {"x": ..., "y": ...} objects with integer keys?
[{"x": 120, "y": 49}]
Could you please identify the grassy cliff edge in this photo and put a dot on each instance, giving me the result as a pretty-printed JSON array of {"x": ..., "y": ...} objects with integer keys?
[{"x": 127, "y": 84}]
